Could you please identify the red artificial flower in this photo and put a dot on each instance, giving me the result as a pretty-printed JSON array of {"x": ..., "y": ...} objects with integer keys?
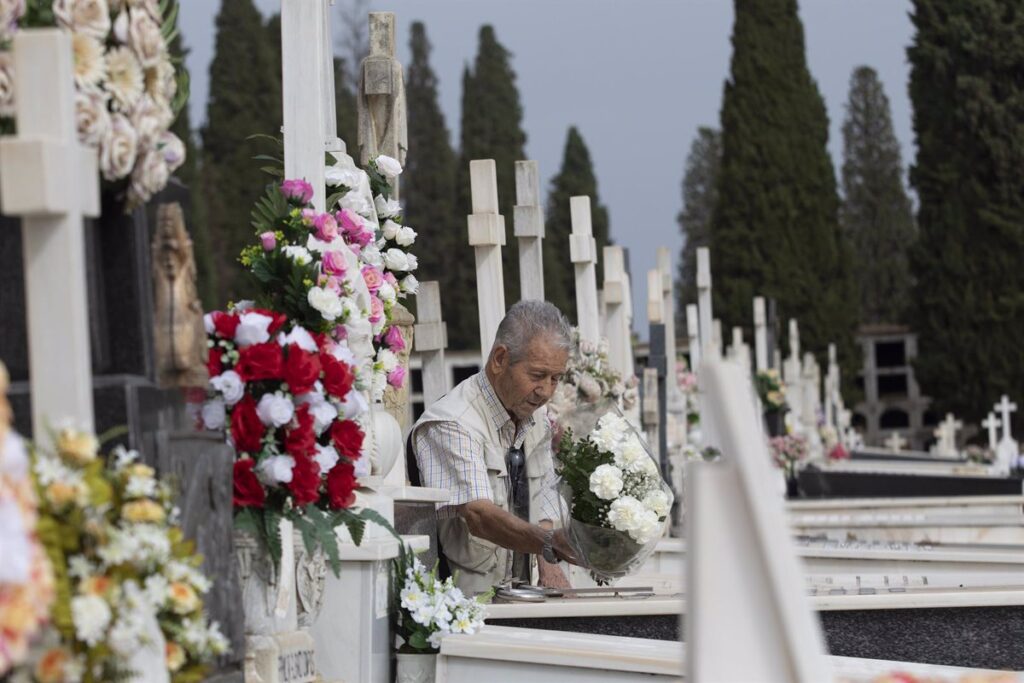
[
  {"x": 248, "y": 491},
  {"x": 301, "y": 369},
  {"x": 260, "y": 361},
  {"x": 276, "y": 319},
  {"x": 338, "y": 376},
  {"x": 214, "y": 366},
  {"x": 225, "y": 324},
  {"x": 347, "y": 438},
  {"x": 246, "y": 428},
  {"x": 305, "y": 483},
  {"x": 341, "y": 485},
  {"x": 300, "y": 439}
]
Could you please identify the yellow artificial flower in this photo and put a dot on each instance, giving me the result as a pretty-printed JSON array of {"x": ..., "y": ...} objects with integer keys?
[
  {"x": 78, "y": 447},
  {"x": 96, "y": 585},
  {"x": 142, "y": 471},
  {"x": 175, "y": 655},
  {"x": 60, "y": 493},
  {"x": 50, "y": 668},
  {"x": 183, "y": 598},
  {"x": 143, "y": 511}
]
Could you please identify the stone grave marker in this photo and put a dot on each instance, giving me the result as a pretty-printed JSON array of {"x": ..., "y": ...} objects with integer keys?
[
  {"x": 528, "y": 226},
  {"x": 760, "y": 335},
  {"x": 487, "y": 237},
  {"x": 693, "y": 335},
  {"x": 705, "y": 314},
  {"x": 1007, "y": 451},
  {"x": 620, "y": 347},
  {"x": 991, "y": 423},
  {"x": 583, "y": 253}
]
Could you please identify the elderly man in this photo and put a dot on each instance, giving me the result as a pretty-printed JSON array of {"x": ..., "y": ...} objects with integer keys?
[{"x": 487, "y": 442}]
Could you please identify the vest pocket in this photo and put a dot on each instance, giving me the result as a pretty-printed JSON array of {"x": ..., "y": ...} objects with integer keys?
[{"x": 468, "y": 552}]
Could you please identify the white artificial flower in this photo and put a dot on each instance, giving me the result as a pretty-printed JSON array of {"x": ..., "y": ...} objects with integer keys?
[
  {"x": 231, "y": 386},
  {"x": 83, "y": 16},
  {"x": 275, "y": 410},
  {"x": 354, "y": 405},
  {"x": 89, "y": 61},
  {"x": 92, "y": 119},
  {"x": 300, "y": 255},
  {"x": 124, "y": 78},
  {"x": 389, "y": 167},
  {"x": 409, "y": 284},
  {"x": 118, "y": 148},
  {"x": 412, "y": 262},
  {"x": 326, "y": 457},
  {"x": 657, "y": 502},
  {"x": 406, "y": 236},
  {"x": 120, "y": 28},
  {"x": 342, "y": 175},
  {"x": 156, "y": 588},
  {"x": 90, "y": 615},
  {"x": 151, "y": 175},
  {"x": 172, "y": 149},
  {"x": 324, "y": 414},
  {"x": 396, "y": 259},
  {"x": 361, "y": 468},
  {"x": 386, "y": 208},
  {"x": 606, "y": 481},
  {"x": 371, "y": 255},
  {"x": 150, "y": 119},
  {"x": 388, "y": 359},
  {"x": 299, "y": 336},
  {"x": 356, "y": 201},
  {"x": 275, "y": 469},
  {"x": 253, "y": 328},
  {"x": 326, "y": 302},
  {"x": 378, "y": 385},
  {"x": 145, "y": 39},
  {"x": 412, "y": 597},
  {"x": 390, "y": 229},
  {"x": 141, "y": 487},
  {"x": 625, "y": 512},
  {"x": 387, "y": 292}
]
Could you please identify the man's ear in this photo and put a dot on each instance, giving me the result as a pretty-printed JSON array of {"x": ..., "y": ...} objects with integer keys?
[{"x": 499, "y": 358}]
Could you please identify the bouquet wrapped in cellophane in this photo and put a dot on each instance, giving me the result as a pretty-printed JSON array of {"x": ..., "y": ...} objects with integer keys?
[{"x": 617, "y": 504}]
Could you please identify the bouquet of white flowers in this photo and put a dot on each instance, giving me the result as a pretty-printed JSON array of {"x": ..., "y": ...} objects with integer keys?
[{"x": 617, "y": 503}]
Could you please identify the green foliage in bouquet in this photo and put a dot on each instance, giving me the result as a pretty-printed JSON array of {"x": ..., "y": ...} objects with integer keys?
[
  {"x": 770, "y": 389},
  {"x": 577, "y": 460}
]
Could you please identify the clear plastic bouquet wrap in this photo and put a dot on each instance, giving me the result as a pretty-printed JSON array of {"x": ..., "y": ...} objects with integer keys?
[{"x": 617, "y": 504}]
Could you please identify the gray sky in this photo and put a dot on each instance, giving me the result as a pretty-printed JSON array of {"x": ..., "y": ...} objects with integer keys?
[{"x": 636, "y": 77}]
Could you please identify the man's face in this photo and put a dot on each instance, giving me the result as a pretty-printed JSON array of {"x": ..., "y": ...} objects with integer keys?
[{"x": 528, "y": 384}]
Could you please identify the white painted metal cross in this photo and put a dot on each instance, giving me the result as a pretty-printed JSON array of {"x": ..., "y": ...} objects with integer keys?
[
  {"x": 583, "y": 253},
  {"x": 991, "y": 423},
  {"x": 431, "y": 339},
  {"x": 760, "y": 334},
  {"x": 617, "y": 324},
  {"x": 487, "y": 237},
  {"x": 528, "y": 226},
  {"x": 896, "y": 442},
  {"x": 704, "y": 303},
  {"x": 51, "y": 181}
]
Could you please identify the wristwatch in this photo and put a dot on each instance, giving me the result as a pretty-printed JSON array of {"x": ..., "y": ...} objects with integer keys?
[{"x": 548, "y": 552}]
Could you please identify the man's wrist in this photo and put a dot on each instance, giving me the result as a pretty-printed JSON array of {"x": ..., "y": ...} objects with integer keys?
[{"x": 547, "y": 550}]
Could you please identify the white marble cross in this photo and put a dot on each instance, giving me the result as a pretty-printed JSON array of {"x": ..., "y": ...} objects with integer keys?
[
  {"x": 655, "y": 307},
  {"x": 896, "y": 442},
  {"x": 528, "y": 227},
  {"x": 52, "y": 182},
  {"x": 669, "y": 312},
  {"x": 583, "y": 253},
  {"x": 616, "y": 329},
  {"x": 760, "y": 335},
  {"x": 693, "y": 335},
  {"x": 431, "y": 339},
  {"x": 704, "y": 303},
  {"x": 487, "y": 237},
  {"x": 1005, "y": 407},
  {"x": 946, "y": 433},
  {"x": 1007, "y": 451},
  {"x": 991, "y": 423}
]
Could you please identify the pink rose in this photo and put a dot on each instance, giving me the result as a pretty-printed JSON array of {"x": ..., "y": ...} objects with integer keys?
[
  {"x": 297, "y": 190},
  {"x": 350, "y": 221},
  {"x": 396, "y": 377},
  {"x": 269, "y": 240},
  {"x": 326, "y": 227},
  {"x": 376, "y": 309},
  {"x": 308, "y": 216},
  {"x": 393, "y": 338},
  {"x": 373, "y": 278},
  {"x": 391, "y": 279},
  {"x": 333, "y": 263},
  {"x": 362, "y": 237},
  {"x": 334, "y": 284}
]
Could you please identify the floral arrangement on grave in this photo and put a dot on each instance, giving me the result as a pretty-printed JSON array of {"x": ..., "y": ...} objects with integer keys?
[
  {"x": 616, "y": 503},
  {"x": 426, "y": 608},
  {"x": 770, "y": 389},
  {"x": 686, "y": 380},
  {"x": 833, "y": 446},
  {"x": 589, "y": 379},
  {"x": 788, "y": 452},
  {"x": 128, "y": 87},
  {"x": 128, "y": 582},
  {"x": 979, "y": 454}
]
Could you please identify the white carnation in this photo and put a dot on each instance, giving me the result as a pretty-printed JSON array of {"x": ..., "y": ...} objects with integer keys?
[
  {"x": 324, "y": 413},
  {"x": 406, "y": 236},
  {"x": 646, "y": 528},
  {"x": 275, "y": 409},
  {"x": 90, "y": 615},
  {"x": 276, "y": 469},
  {"x": 396, "y": 259},
  {"x": 253, "y": 328},
  {"x": 213, "y": 414},
  {"x": 300, "y": 337},
  {"x": 388, "y": 166},
  {"x": 630, "y": 454},
  {"x": 606, "y": 481},
  {"x": 231, "y": 386},
  {"x": 354, "y": 405},
  {"x": 387, "y": 359},
  {"x": 326, "y": 302},
  {"x": 657, "y": 502},
  {"x": 625, "y": 512},
  {"x": 299, "y": 255},
  {"x": 326, "y": 457}
]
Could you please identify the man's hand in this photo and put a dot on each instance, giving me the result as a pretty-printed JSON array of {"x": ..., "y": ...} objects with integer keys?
[
  {"x": 551, "y": 575},
  {"x": 563, "y": 548}
]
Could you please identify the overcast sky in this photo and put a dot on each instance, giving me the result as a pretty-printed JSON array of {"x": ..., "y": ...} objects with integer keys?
[{"x": 638, "y": 78}]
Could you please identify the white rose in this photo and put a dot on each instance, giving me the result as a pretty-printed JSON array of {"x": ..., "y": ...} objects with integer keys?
[
  {"x": 325, "y": 301},
  {"x": 388, "y": 166},
  {"x": 150, "y": 120},
  {"x": 606, "y": 481},
  {"x": 151, "y": 175},
  {"x": 338, "y": 175},
  {"x": 173, "y": 150},
  {"x": 625, "y": 512},
  {"x": 7, "y": 83},
  {"x": 162, "y": 82},
  {"x": 90, "y": 614},
  {"x": 213, "y": 414},
  {"x": 409, "y": 284},
  {"x": 145, "y": 39},
  {"x": 390, "y": 229},
  {"x": 387, "y": 359},
  {"x": 387, "y": 208},
  {"x": 300, "y": 337},
  {"x": 85, "y": 16},
  {"x": 396, "y": 259},
  {"x": 91, "y": 117},
  {"x": 231, "y": 386},
  {"x": 326, "y": 457},
  {"x": 276, "y": 469},
  {"x": 124, "y": 78},
  {"x": 253, "y": 328},
  {"x": 657, "y": 502},
  {"x": 275, "y": 410},
  {"x": 406, "y": 236},
  {"x": 387, "y": 292},
  {"x": 300, "y": 255},
  {"x": 371, "y": 256},
  {"x": 356, "y": 201},
  {"x": 118, "y": 149}
]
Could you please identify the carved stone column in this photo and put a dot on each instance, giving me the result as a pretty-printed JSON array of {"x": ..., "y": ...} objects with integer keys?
[{"x": 396, "y": 401}]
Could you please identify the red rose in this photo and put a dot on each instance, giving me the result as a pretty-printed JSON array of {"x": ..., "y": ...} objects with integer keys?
[
  {"x": 246, "y": 428},
  {"x": 300, "y": 439},
  {"x": 224, "y": 324},
  {"x": 248, "y": 489},
  {"x": 338, "y": 376},
  {"x": 347, "y": 438},
  {"x": 341, "y": 485},
  {"x": 301, "y": 369},
  {"x": 305, "y": 483},
  {"x": 213, "y": 364},
  {"x": 260, "y": 361},
  {"x": 276, "y": 319}
]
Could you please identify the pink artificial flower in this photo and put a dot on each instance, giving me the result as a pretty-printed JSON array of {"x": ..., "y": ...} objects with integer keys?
[
  {"x": 362, "y": 238},
  {"x": 376, "y": 309},
  {"x": 340, "y": 333},
  {"x": 269, "y": 240},
  {"x": 333, "y": 263},
  {"x": 326, "y": 227},
  {"x": 393, "y": 338},
  {"x": 334, "y": 284},
  {"x": 350, "y": 221},
  {"x": 390, "y": 278},
  {"x": 308, "y": 216},
  {"x": 397, "y": 377},
  {"x": 373, "y": 278},
  {"x": 297, "y": 190}
]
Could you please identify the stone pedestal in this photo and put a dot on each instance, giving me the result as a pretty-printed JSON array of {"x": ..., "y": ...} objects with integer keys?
[{"x": 280, "y": 658}]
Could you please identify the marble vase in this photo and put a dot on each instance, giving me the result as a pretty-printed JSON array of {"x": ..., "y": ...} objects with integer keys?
[
  {"x": 415, "y": 667},
  {"x": 387, "y": 440}
]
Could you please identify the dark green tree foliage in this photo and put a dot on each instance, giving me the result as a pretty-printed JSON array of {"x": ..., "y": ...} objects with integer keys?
[
  {"x": 245, "y": 99},
  {"x": 699, "y": 195},
  {"x": 968, "y": 96},
  {"x": 428, "y": 193},
  {"x": 775, "y": 228},
  {"x": 575, "y": 178},
  {"x": 876, "y": 215},
  {"x": 345, "y": 104},
  {"x": 491, "y": 129}
]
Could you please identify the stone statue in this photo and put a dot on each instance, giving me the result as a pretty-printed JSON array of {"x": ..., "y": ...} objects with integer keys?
[
  {"x": 381, "y": 102},
  {"x": 180, "y": 336}
]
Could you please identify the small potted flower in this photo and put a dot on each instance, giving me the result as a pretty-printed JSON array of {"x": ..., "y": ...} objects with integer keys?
[
  {"x": 425, "y": 610},
  {"x": 787, "y": 452},
  {"x": 771, "y": 391}
]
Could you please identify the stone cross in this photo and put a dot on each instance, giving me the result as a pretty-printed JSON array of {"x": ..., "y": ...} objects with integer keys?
[
  {"x": 1005, "y": 407},
  {"x": 704, "y": 302},
  {"x": 946, "y": 434},
  {"x": 528, "y": 226},
  {"x": 693, "y": 335},
  {"x": 896, "y": 442},
  {"x": 717, "y": 340},
  {"x": 51, "y": 181},
  {"x": 669, "y": 314},
  {"x": 760, "y": 335},
  {"x": 381, "y": 108},
  {"x": 583, "y": 253},
  {"x": 1007, "y": 451},
  {"x": 431, "y": 340},
  {"x": 487, "y": 237},
  {"x": 739, "y": 350},
  {"x": 832, "y": 398},
  {"x": 616, "y": 323},
  {"x": 991, "y": 423},
  {"x": 655, "y": 307}
]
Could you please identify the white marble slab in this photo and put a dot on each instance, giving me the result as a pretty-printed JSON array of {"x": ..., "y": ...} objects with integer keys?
[
  {"x": 994, "y": 504},
  {"x": 380, "y": 548}
]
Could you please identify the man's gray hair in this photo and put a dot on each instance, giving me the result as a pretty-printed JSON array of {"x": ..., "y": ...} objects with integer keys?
[{"x": 528, "y": 320}]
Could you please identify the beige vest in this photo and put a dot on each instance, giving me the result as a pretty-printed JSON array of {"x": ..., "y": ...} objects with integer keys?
[{"x": 479, "y": 563}]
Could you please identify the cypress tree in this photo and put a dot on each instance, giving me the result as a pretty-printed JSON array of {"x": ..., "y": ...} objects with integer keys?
[
  {"x": 965, "y": 85},
  {"x": 876, "y": 215},
  {"x": 775, "y": 227},
  {"x": 699, "y": 195},
  {"x": 245, "y": 99},
  {"x": 492, "y": 129},
  {"x": 575, "y": 178},
  {"x": 345, "y": 104}
]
